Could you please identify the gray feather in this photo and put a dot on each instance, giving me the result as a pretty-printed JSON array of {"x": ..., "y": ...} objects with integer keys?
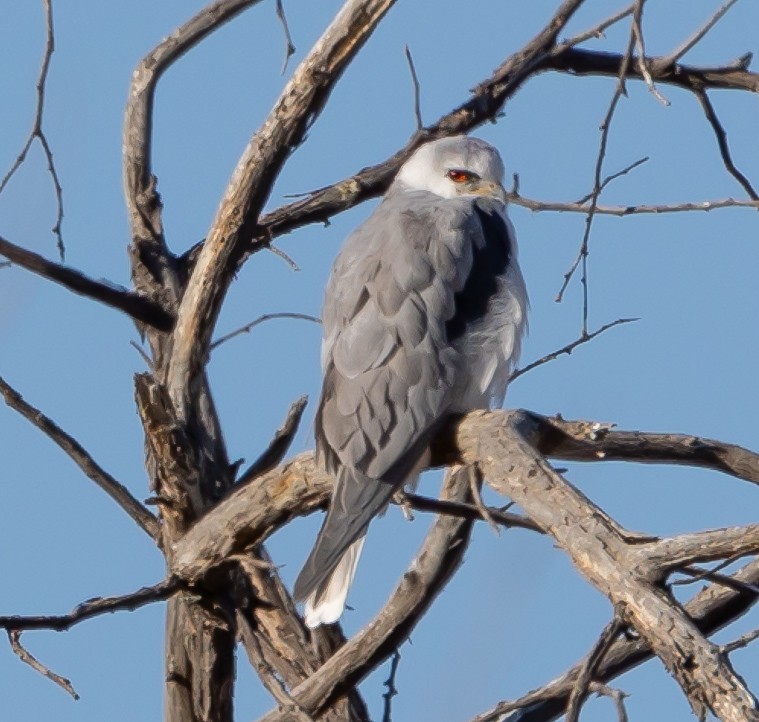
[{"x": 420, "y": 267}]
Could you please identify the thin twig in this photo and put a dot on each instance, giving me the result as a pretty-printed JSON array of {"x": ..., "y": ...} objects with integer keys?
[
  {"x": 724, "y": 148},
  {"x": 742, "y": 641},
  {"x": 537, "y": 206},
  {"x": 713, "y": 576},
  {"x": 94, "y": 608},
  {"x": 594, "y": 658},
  {"x": 615, "y": 695},
  {"x": 680, "y": 51},
  {"x": 289, "y": 47},
  {"x": 468, "y": 511},
  {"x": 148, "y": 361},
  {"x": 287, "y": 259},
  {"x": 696, "y": 577},
  {"x": 25, "y": 656},
  {"x": 248, "y": 327},
  {"x": 596, "y": 31},
  {"x": 582, "y": 257},
  {"x": 38, "y": 133},
  {"x": 417, "y": 89},
  {"x": 568, "y": 348},
  {"x": 392, "y": 690},
  {"x": 485, "y": 102},
  {"x": 133, "y": 304},
  {"x": 613, "y": 177},
  {"x": 117, "y": 491},
  {"x": 279, "y": 444},
  {"x": 642, "y": 61}
]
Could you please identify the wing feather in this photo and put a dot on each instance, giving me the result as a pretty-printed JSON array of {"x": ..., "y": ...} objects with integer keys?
[{"x": 391, "y": 374}]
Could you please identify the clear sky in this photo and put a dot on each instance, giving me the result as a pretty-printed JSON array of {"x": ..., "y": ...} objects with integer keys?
[{"x": 516, "y": 615}]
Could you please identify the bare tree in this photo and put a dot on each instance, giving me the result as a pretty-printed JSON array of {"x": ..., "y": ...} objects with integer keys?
[{"x": 213, "y": 519}]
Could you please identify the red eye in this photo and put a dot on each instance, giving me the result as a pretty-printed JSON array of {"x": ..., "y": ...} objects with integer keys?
[{"x": 460, "y": 176}]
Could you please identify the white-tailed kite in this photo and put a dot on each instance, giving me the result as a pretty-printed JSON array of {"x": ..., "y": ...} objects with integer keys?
[{"x": 423, "y": 317}]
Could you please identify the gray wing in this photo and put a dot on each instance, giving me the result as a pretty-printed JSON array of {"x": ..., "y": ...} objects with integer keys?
[{"x": 389, "y": 370}]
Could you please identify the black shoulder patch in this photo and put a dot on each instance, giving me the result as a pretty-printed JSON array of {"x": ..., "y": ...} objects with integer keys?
[{"x": 488, "y": 264}]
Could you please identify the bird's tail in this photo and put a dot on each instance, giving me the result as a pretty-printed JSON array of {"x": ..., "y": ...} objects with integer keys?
[
  {"x": 326, "y": 576},
  {"x": 326, "y": 603}
]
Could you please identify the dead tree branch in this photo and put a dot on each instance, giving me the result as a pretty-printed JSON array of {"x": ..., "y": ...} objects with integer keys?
[
  {"x": 27, "y": 658},
  {"x": 724, "y": 148},
  {"x": 417, "y": 89},
  {"x": 272, "y": 631},
  {"x": 619, "y": 91},
  {"x": 94, "y": 607},
  {"x": 484, "y": 105},
  {"x": 585, "y": 678},
  {"x": 392, "y": 691},
  {"x": 250, "y": 513},
  {"x": 593, "y": 441},
  {"x": 441, "y": 554},
  {"x": 117, "y": 491},
  {"x": 133, "y": 304},
  {"x": 699, "y": 35},
  {"x": 143, "y": 202},
  {"x": 568, "y": 348},
  {"x": 623, "y": 571},
  {"x": 289, "y": 46},
  {"x": 279, "y": 444},
  {"x": 38, "y": 132},
  {"x": 713, "y": 608},
  {"x": 248, "y": 327},
  {"x": 630, "y": 210},
  {"x": 236, "y": 221}
]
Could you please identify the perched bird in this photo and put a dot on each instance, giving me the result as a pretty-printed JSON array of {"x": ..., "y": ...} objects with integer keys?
[{"x": 423, "y": 317}]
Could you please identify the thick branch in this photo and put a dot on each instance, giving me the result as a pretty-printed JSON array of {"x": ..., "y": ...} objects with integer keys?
[
  {"x": 296, "y": 109},
  {"x": 600, "y": 551},
  {"x": 252, "y": 512},
  {"x": 274, "y": 634},
  {"x": 484, "y": 105},
  {"x": 138, "y": 307},
  {"x": 441, "y": 554},
  {"x": 592, "y": 441},
  {"x": 576, "y": 61},
  {"x": 711, "y": 609},
  {"x": 704, "y": 546},
  {"x": 117, "y": 491},
  {"x": 139, "y": 185}
]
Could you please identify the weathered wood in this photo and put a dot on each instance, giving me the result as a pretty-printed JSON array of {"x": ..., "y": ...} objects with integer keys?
[
  {"x": 440, "y": 555},
  {"x": 623, "y": 569}
]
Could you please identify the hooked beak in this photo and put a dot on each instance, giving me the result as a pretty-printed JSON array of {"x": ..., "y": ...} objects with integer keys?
[{"x": 491, "y": 190}]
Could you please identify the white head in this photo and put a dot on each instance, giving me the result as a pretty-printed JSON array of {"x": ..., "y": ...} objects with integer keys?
[{"x": 455, "y": 167}]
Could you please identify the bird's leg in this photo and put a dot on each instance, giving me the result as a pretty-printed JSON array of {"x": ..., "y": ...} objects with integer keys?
[{"x": 402, "y": 500}]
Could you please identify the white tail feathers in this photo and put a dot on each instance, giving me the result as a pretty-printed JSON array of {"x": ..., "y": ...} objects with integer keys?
[{"x": 332, "y": 596}]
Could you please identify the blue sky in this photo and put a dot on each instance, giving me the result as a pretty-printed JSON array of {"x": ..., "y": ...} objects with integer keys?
[{"x": 516, "y": 615}]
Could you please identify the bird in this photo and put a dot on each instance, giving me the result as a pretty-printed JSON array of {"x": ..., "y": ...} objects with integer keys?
[{"x": 424, "y": 314}]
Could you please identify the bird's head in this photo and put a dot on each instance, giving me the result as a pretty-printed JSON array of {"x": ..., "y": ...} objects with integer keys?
[{"x": 455, "y": 167}]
